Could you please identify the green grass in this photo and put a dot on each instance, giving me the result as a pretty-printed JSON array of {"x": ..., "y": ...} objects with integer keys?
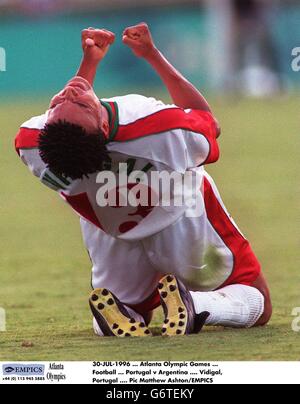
[{"x": 45, "y": 272}]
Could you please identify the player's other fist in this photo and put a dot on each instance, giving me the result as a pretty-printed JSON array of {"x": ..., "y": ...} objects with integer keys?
[
  {"x": 96, "y": 43},
  {"x": 139, "y": 40}
]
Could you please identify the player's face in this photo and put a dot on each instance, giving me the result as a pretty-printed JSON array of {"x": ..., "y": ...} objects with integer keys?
[{"x": 78, "y": 104}]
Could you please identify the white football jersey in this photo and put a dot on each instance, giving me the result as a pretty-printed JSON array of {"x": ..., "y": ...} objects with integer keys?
[{"x": 149, "y": 137}]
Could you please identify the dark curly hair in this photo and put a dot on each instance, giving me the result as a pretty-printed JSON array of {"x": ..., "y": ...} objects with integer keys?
[{"x": 69, "y": 151}]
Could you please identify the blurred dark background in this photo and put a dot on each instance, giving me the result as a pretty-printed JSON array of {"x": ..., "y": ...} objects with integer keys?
[{"x": 241, "y": 46}]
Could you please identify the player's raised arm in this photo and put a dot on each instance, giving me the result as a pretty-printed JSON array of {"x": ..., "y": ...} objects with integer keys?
[
  {"x": 95, "y": 45},
  {"x": 183, "y": 93}
]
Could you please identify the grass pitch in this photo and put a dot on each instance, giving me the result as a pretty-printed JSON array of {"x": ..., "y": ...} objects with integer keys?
[{"x": 45, "y": 272}]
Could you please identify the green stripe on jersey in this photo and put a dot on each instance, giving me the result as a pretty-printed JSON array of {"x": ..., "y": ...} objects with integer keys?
[
  {"x": 59, "y": 178},
  {"x": 53, "y": 181}
]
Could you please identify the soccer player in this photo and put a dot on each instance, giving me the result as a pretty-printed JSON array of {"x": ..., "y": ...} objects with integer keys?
[{"x": 200, "y": 268}]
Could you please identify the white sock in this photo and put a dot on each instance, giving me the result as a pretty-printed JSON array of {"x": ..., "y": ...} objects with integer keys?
[
  {"x": 132, "y": 314},
  {"x": 236, "y": 306}
]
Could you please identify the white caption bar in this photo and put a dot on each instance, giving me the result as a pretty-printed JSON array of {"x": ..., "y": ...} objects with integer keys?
[{"x": 159, "y": 373}]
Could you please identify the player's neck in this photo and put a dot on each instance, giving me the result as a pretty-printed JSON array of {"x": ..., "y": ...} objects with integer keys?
[{"x": 105, "y": 115}]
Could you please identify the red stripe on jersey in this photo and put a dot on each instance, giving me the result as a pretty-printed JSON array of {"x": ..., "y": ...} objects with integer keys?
[
  {"x": 81, "y": 204},
  {"x": 197, "y": 121},
  {"x": 27, "y": 139},
  {"x": 246, "y": 266}
]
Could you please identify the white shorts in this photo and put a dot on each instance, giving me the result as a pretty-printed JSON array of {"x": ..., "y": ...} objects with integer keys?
[{"x": 131, "y": 270}]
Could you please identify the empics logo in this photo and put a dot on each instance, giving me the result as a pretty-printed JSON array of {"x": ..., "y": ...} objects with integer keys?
[
  {"x": 2, "y": 320},
  {"x": 23, "y": 370},
  {"x": 2, "y": 60},
  {"x": 9, "y": 369}
]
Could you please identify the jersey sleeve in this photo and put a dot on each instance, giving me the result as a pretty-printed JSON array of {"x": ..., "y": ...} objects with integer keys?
[
  {"x": 201, "y": 138},
  {"x": 26, "y": 144},
  {"x": 38, "y": 168},
  {"x": 191, "y": 133}
]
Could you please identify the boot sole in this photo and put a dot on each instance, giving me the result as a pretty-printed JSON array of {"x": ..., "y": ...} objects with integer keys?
[
  {"x": 176, "y": 314},
  {"x": 113, "y": 318}
]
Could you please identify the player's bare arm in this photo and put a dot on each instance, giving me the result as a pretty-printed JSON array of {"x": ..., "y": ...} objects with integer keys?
[
  {"x": 77, "y": 102},
  {"x": 95, "y": 45},
  {"x": 139, "y": 39}
]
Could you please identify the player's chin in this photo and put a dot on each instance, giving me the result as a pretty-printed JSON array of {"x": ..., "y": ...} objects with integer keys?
[
  {"x": 91, "y": 126},
  {"x": 88, "y": 118}
]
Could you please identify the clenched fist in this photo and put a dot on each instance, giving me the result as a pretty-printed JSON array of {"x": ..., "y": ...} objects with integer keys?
[
  {"x": 96, "y": 43},
  {"x": 139, "y": 40}
]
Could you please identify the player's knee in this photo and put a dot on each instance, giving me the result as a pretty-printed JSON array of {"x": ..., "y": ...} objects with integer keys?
[
  {"x": 267, "y": 315},
  {"x": 268, "y": 312},
  {"x": 262, "y": 286}
]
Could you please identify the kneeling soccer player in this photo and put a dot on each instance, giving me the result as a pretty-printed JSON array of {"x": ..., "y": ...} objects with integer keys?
[{"x": 144, "y": 256}]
